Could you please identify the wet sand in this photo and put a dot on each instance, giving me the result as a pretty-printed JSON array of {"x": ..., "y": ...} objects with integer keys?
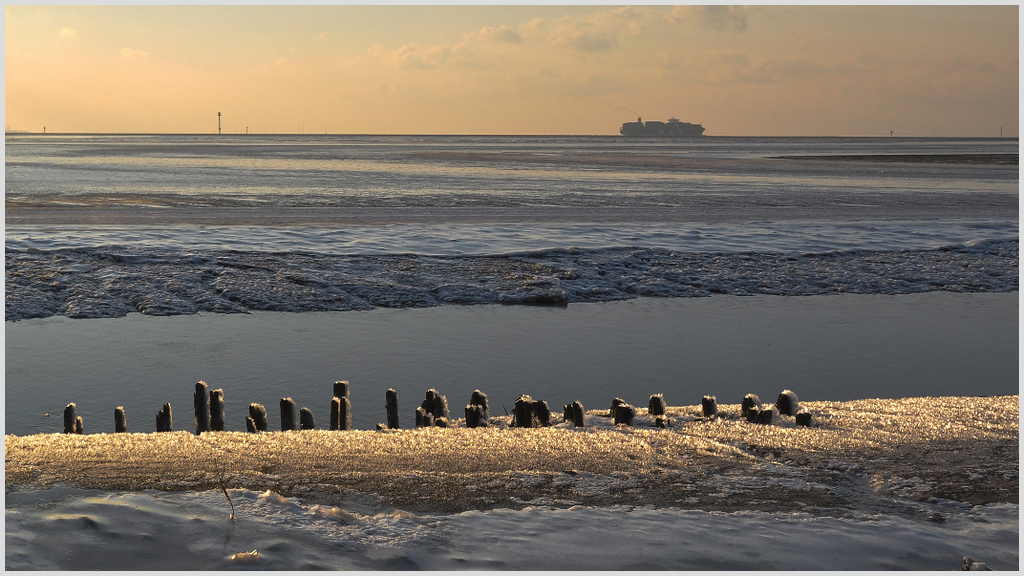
[{"x": 864, "y": 455}]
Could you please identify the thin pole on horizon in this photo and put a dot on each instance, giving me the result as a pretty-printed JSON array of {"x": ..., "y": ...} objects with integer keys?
[{"x": 218, "y": 123}]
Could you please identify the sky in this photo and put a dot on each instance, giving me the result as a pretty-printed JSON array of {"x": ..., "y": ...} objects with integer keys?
[{"x": 740, "y": 71}]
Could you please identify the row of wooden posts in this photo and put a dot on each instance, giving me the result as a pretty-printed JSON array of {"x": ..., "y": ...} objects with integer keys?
[{"x": 528, "y": 413}]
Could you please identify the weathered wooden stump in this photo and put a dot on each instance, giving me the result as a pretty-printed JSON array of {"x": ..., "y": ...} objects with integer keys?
[
  {"x": 443, "y": 422},
  {"x": 788, "y": 403},
  {"x": 217, "y": 410},
  {"x": 79, "y": 428},
  {"x": 541, "y": 413},
  {"x": 391, "y": 407},
  {"x": 201, "y": 403},
  {"x": 764, "y": 417},
  {"x": 120, "y": 424},
  {"x": 578, "y": 419},
  {"x": 341, "y": 413},
  {"x": 524, "y": 412},
  {"x": 709, "y": 406},
  {"x": 424, "y": 418},
  {"x": 288, "y": 415},
  {"x": 615, "y": 404},
  {"x": 475, "y": 416},
  {"x": 478, "y": 398},
  {"x": 567, "y": 413},
  {"x": 435, "y": 404},
  {"x": 341, "y": 389},
  {"x": 624, "y": 414},
  {"x": 306, "y": 421},
  {"x": 803, "y": 418},
  {"x": 750, "y": 402},
  {"x": 259, "y": 417},
  {"x": 69, "y": 418},
  {"x": 164, "y": 421},
  {"x": 661, "y": 421},
  {"x": 250, "y": 425},
  {"x": 656, "y": 405},
  {"x": 753, "y": 415}
]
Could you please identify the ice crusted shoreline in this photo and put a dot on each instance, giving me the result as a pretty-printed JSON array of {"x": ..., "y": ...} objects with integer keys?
[
  {"x": 114, "y": 281},
  {"x": 897, "y": 457}
]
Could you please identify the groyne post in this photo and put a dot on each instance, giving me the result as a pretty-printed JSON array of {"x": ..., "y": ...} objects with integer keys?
[
  {"x": 391, "y": 407},
  {"x": 341, "y": 411},
  {"x": 69, "y": 418},
  {"x": 201, "y": 402},
  {"x": 306, "y": 421},
  {"x": 577, "y": 414},
  {"x": 258, "y": 415},
  {"x": 79, "y": 428},
  {"x": 541, "y": 412},
  {"x": 164, "y": 421},
  {"x": 120, "y": 425},
  {"x": 616, "y": 402},
  {"x": 788, "y": 403},
  {"x": 709, "y": 406},
  {"x": 217, "y": 410},
  {"x": 656, "y": 405},
  {"x": 478, "y": 398},
  {"x": 803, "y": 418},
  {"x": 624, "y": 414},
  {"x": 524, "y": 412},
  {"x": 751, "y": 402},
  {"x": 287, "y": 414}
]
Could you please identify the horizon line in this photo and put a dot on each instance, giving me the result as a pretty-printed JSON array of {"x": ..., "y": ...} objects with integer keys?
[{"x": 510, "y": 135}]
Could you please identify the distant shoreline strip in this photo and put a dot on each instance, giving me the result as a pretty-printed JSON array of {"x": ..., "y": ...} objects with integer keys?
[{"x": 995, "y": 159}]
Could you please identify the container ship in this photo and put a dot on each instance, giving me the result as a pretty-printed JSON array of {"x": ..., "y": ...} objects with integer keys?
[{"x": 657, "y": 129}]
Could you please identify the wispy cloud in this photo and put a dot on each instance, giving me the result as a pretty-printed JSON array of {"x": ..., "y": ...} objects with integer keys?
[
  {"x": 132, "y": 54},
  {"x": 66, "y": 32}
]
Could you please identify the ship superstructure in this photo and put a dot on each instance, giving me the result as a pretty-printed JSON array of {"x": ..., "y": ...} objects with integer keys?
[{"x": 673, "y": 128}]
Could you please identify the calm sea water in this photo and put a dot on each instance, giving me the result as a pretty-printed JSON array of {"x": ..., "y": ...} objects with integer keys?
[{"x": 103, "y": 226}]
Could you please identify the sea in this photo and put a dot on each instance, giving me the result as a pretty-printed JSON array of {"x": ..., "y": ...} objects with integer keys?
[{"x": 563, "y": 267}]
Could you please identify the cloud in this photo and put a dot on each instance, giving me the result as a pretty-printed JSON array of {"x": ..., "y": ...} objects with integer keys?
[
  {"x": 502, "y": 35},
  {"x": 718, "y": 18},
  {"x": 131, "y": 54},
  {"x": 415, "y": 56},
  {"x": 585, "y": 37},
  {"x": 66, "y": 32}
]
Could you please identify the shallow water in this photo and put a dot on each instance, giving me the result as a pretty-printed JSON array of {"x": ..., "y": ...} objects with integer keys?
[{"x": 822, "y": 347}]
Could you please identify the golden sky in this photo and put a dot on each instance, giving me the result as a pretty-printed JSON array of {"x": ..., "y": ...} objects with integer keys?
[{"x": 752, "y": 71}]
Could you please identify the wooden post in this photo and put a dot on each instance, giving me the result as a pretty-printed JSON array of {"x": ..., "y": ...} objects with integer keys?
[
  {"x": 624, "y": 414},
  {"x": 764, "y": 417},
  {"x": 788, "y": 403},
  {"x": 524, "y": 412},
  {"x": 803, "y": 418},
  {"x": 615, "y": 404},
  {"x": 542, "y": 413},
  {"x": 335, "y": 412},
  {"x": 250, "y": 425},
  {"x": 473, "y": 413},
  {"x": 753, "y": 415},
  {"x": 341, "y": 389},
  {"x": 201, "y": 402},
  {"x": 577, "y": 414},
  {"x": 656, "y": 406},
  {"x": 345, "y": 414},
  {"x": 478, "y": 398},
  {"x": 69, "y": 418},
  {"x": 120, "y": 425},
  {"x": 567, "y": 413},
  {"x": 288, "y": 414},
  {"x": 259, "y": 417},
  {"x": 661, "y": 421},
  {"x": 217, "y": 410},
  {"x": 306, "y": 421},
  {"x": 750, "y": 402},
  {"x": 79, "y": 429},
  {"x": 709, "y": 406},
  {"x": 391, "y": 407},
  {"x": 436, "y": 404},
  {"x": 164, "y": 422}
]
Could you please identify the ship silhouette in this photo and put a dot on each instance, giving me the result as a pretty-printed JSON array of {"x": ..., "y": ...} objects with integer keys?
[{"x": 657, "y": 129}]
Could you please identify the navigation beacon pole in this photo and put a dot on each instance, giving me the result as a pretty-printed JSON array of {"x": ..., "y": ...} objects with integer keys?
[{"x": 218, "y": 122}]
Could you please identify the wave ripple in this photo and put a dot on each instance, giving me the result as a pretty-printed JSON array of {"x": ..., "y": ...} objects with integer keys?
[{"x": 112, "y": 281}]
